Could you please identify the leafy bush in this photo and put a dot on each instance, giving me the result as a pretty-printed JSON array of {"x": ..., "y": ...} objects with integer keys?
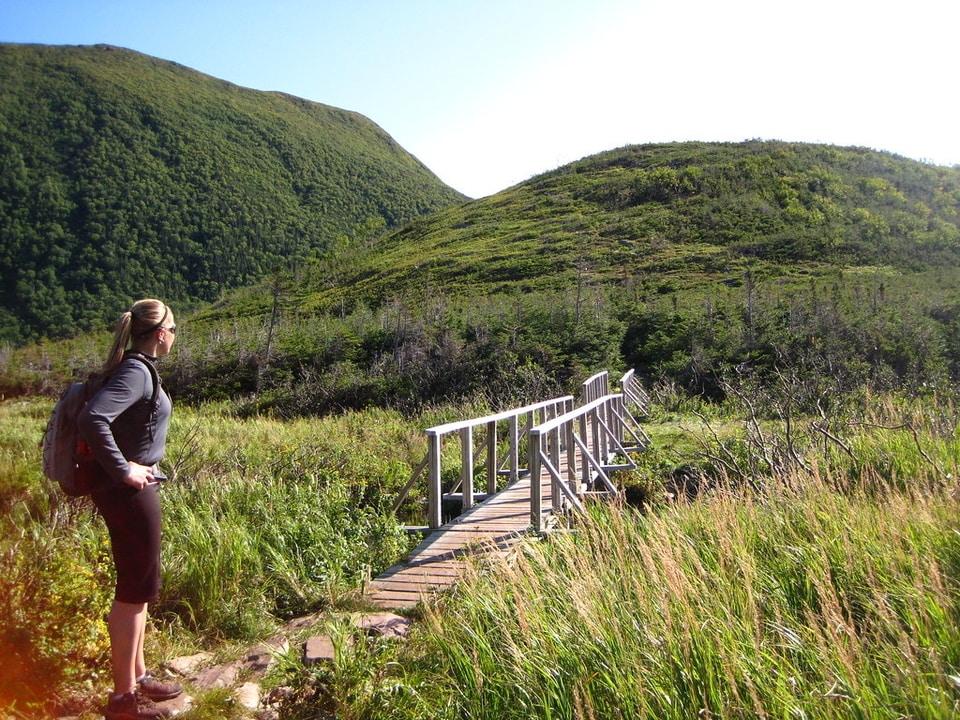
[{"x": 55, "y": 590}]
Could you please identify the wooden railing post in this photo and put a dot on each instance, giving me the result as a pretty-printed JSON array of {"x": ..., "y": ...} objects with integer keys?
[
  {"x": 621, "y": 413},
  {"x": 614, "y": 412},
  {"x": 611, "y": 420},
  {"x": 433, "y": 465},
  {"x": 514, "y": 448},
  {"x": 546, "y": 415},
  {"x": 584, "y": 465},
  {"x": 595, "y": 448},
  {"x": 536, "y": 500},
  {"x": 609, "y": 444},
  {"x": 491, "y": 457},
  {"x": 571, "y": 451},
  {"x": 555, "y": 494},
  {"x": 466, "y": 469}
]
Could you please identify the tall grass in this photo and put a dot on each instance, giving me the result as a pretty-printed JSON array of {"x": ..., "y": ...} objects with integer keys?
[{"x": 800, "y": 603}]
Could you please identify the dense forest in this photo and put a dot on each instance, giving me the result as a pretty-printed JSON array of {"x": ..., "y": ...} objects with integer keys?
[
  {"x": 687, "y": 261},
  {"x": 122, "y": 175}
]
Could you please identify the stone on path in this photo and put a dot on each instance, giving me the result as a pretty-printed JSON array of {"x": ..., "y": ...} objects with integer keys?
[
  {"x": 219, "y": 676},
  {"x": 188, "y": 664},
  {"x": 262, "y": 656},
  {"x": 180, "y": 704},
  {"x": 318, "y": 648},
  {"x": 384, "y": 624},
  {"x": 248, "y": 695},
  {"x": 301, "y": 622}
]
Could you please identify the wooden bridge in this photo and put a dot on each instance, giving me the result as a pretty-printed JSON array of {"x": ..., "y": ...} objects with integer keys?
[{"x": 570, "y": 446}]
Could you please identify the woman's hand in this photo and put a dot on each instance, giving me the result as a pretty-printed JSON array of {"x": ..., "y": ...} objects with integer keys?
[{"x": 139, "y": 476}]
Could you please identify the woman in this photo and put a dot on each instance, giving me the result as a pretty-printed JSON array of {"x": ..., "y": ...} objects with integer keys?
[{"x": 125, "y": 425}]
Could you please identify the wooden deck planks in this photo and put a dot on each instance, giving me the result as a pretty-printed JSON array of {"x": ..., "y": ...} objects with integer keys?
[{"x": 494, "y": 526}]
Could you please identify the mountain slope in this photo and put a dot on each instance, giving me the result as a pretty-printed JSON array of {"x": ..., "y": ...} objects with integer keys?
[
  {"x": 682, "y": 260},
  {"x": 689, "y": 262},
  {"x": 122, "y": 175},
  {"x": 669, "y": 216}
]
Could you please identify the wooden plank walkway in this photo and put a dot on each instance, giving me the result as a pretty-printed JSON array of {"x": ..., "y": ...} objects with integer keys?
[{"x": 494, "y": 526}]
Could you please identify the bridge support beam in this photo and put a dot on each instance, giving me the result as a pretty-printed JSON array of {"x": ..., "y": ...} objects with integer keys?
[
  {"x": 466, "y": 468},
  {"x": 491, "y": 457}
]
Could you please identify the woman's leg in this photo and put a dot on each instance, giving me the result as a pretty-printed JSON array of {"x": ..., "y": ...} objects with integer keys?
[
  {"x": 140, "y": 665},
  {"x": 125, "y": 624}
]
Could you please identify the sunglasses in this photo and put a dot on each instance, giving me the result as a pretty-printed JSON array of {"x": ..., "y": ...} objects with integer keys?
[{"x": 172, "y": 329}]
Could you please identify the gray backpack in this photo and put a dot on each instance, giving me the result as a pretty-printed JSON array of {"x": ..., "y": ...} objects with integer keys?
[{"x": 67, "y": 458}]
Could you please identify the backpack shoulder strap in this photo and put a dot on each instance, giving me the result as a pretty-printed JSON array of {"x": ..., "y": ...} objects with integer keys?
[{"x": 154, "y": 376}]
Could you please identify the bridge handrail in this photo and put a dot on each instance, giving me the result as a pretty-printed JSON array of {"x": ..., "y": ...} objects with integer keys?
[
  {"x": 556, "y": 422},
  {"x": 497, "y": 417},
  {"x": 464, "y": 430},
  {"x": 599, "y": 429},
  {"x": 603, "y": 422},
  {"x": 595, "y": 386},
  {"x": 633, "y": 391}
]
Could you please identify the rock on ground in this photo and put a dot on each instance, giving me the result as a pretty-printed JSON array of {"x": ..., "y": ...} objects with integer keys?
[
  {"x": 248, "y": 695},
  {"x": 219, "y": 676},
  {"x": 188, "y": 664},
  {"x": 318, "y": 648},
  {"x": 384, "y": 624},
  {"x": 178, "y": 705}
]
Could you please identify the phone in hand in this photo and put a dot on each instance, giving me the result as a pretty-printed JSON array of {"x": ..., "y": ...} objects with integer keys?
[{"x": 158, "y": 477}]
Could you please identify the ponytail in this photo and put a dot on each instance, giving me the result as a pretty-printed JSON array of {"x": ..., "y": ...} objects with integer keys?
[{"x": 121, "y": 339}]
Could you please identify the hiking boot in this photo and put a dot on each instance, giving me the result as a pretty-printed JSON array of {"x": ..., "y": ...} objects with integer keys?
[
  {"x": 129, "y": 707},
  {"x": 145, "y": 702},
  {"x": 152, "y": 688}
]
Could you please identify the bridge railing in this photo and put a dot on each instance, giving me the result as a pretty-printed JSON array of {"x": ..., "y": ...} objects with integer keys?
[
  {"x": 596, "y": 430},
  {"x": 518, "y": 423},
  {"x": 595, "y": 386},
  {"x": 634, "y": 393},
  {"x": 599, "y": 430}
]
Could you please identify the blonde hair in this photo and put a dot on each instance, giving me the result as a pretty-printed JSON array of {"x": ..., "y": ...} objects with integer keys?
[{"x": 143, "y": 317}]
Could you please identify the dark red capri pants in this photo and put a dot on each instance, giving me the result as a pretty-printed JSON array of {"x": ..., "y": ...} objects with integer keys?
[{"x": 133, "y": 520}]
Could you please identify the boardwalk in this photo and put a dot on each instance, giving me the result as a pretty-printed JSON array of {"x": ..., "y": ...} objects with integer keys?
[
  {"x": 568, "y": 451},
  {"x": 494, "y": 526}
]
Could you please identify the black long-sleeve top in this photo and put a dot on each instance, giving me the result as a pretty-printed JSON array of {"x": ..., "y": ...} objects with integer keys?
[{"x": 119, "y": 425}]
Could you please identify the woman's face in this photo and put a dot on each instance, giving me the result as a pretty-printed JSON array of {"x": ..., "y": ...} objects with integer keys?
[{"x": 166, "y": 335}]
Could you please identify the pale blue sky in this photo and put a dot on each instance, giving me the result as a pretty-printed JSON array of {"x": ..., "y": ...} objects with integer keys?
[{"x": 489, "y": 93}]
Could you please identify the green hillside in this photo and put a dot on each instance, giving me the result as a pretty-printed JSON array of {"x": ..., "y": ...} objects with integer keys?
[
  {"x": 669, "y": 216},
  {"x": 122, "y": 175},
  {"x": 682, "y": 260}
]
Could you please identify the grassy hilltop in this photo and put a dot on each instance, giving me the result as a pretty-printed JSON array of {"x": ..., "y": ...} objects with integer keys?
[
  {"x": 669, "y": 217},
  {"x": 682, "y": 260},
  {"x": 123, "y": 175}
]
